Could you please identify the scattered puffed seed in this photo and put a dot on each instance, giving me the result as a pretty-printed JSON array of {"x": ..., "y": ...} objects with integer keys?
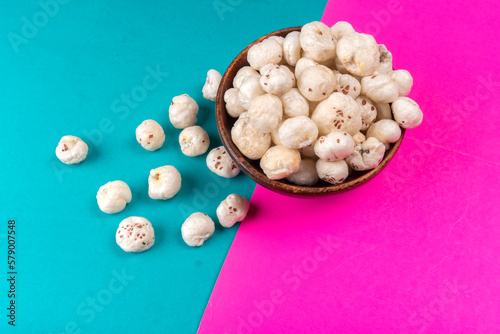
[
  {"x": 265, "y": 112},
  {"x": 386, "y": 131},
  {"x": 194, "y": 141},
  {"x": 334, "y": 172},
  {"x": 135, "y": 234},
  {"x": 335, "y": 146},
  {"x": 150, "y": 135},
  {"x": 232, "y": 210},
  {"x": 367, "y": 155},
  {"x": 407, "y": 113},
  {"x": 298, "y": 132},
  {"x": 211, "y": 86},
  {"x": 280, "y": 162},
  {"x": 197, "y": 228},
  {"x": 380, "y": 88},
  {"x": 250, "y": 141},
  {"x": 183, "y": 111},
  {"x": 306, "y": 175},
  {"x": 219, "y": 162},
  {"x": 164, "y": 182},
  {"x": 113, "y": 196},
  {"x": 358, "y": 53},
  {"x": 71, "y": 150}
]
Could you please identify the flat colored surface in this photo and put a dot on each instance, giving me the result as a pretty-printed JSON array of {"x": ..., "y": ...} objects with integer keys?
[
  {"x": 416, "y": 250},
  {"x": 97, "y": 69}
]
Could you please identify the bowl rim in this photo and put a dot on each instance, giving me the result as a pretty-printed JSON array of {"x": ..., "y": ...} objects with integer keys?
[{"x": 222, "y": 119}]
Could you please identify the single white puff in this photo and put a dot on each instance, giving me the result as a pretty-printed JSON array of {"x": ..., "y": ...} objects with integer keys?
[
  {"x": 380, "y": 88},
  {"x": 251, "y": 142},
  {"x": 265, "y": 112},
  {"x": 407, "y": 113},
  {"x": 404, "y": 80},
  {"x": 250, "y": 88},
  {"x": 164, "y": 182},
  {"x": 194, "y": 141},
  {"x": 298, "y": 132},
  {"x": 266, "y": 52},
  {"x": 340, "y": 29},
  {"x": 368, "y": 111},
  {"x": 71, "y": 150},
  {"x": 219, "y": 162},
  {"x": 150, "y": 135},
  {"x": 317, "y": 40},
  {"x": 113, "y": 196},
  {"x": 367, "y": 155},
  {"x": 359, "y": 53},
  {"x": 291, "y": 48},
  {"x": 233, "y": 106},
  {"x": 280, "y": 162},
  {"x": 232, "y": 210},
  {"x": 334, "y": 146},
  {"x": 306, "y": 175},
  {"x": 338, "y": 112},
  {"x": 316, "y": 82},
  {"x": 197, "y": 228},
  {"x": 294, "y": 103},
  {"x": 183, "y": 111},
  {"x": 386, "y": 131},
  {"x": 276, "y": 79},
  {"x": 211, "y": 86},
  {"x": 135, "y": 234},
  {"x": 334, "y": 172},
  {"x": 242, "y": 73}
]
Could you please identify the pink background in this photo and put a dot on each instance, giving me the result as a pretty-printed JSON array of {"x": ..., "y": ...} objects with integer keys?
[{"x": 415, "y": 250}]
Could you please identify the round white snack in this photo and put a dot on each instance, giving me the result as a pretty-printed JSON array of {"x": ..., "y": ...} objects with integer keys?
[
  {"x": 308, "y": 151},
  {"x": 302, "y": 64},
  {"x": 298, "y": 132},
  {"x": 219, "y": 162},
  {"x": 317, "y": 40},
  {"x": 385, "y": 65},
  {"x": 380, "y": 88},
  {"x": 340, "y": 29},
  {"x": 333, "y": 172},
  {"x": 135, "y": 234},
  {"x": 71, "y": 150},
  {"x": 404, "y": 80},
  {"x": 358, "y": 53},
  {"x": 368, "y": 111},
  {"x": 197, "y": 228},
  {"x": 232, "y": 210},
  {"x": 265, "y": 112},
  {"x": 306, "y": 175},
  {"x": 242, "y": 73},
  {"x": 291, "y": 48},
  {"x": 276, "y": 79},
  {"x": 386, "y": 131},
  {"x": 338, "y": 112},
  {"x": 194, "y": 141},
  {"x": 250, "y": 88},
  {"x": 334, "y": 146},
  {"x": 348, "y": 85},
  {"x": 407, "y": 113},
  {"x": 183, "y": 111},
  {"x": 316, "y": 82},
  {"x": 359, "y": 138},
  {"x": 294, "y": 103},
  {"x": 113, "y": 196},
  {"x": 265, "y": 52},
  {"x": 280, "y": 162},
  {"x": 251, "y": 142},
  {"x": 150, "y": 135},
  {"x": 367, "y": 155},
  {"x": 211, "y": 86},
  {"x": 383, "y": 110},
  {"x": 164, "y": 182},
  {"x": 233, "y": 106}
]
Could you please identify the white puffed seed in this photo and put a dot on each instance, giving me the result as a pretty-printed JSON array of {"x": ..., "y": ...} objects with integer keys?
[
  {"x": 316, "y": 82},
  {"x": 404, "y": 80},
  {"x": 407, "y": 113},
  {"x": 232, "y": 210},
  {"x": 251, "y": 142},
  {"x": 359, "y": 53},
  {"x": 164, "y": 182},
  {"x": 71, "y": 150},
  {"x": 383, "y": 110},
  {"x": 276, "y": 79},
  {"x": 340, "y": 29},
  {"x": 338, "y": 112},
  {"x": 220, "y": 163},
  {"x": 334, "y": 146},
  {"x": 348, "y": 85},
  {"x": 135, "y": 234},
  {"x": 113, "y": 196},
  {"x": 306, "y": 175},
  {"x": 250, "y": 88},
  {"x": 385, "y": 66},
  {"x": 380, "y": 88},
  {"x": 211, "y": 86},
  {"x": 269, "y": 51},
  {"x": 294, "y": 103},
  {"x": 291, "y": 48},
  {"x": 242, "y": 73},
  {"x": 197, "y": 228},
  {"x": 183, "y": 111},
  {"x": 317, "y": 40},
  {"x": 302, "y": 64},
  {"x": 368, "y": 111},
  {"x": 150, "y": 135},
  {"x": 298, "y": 132},
  {"x": 194, "y": 141},
  {"x": 233, "y": 106},
  {"x": 334, "y": 172},
  {"x": 359, "y": 138},
  {"x": 265, "y": 112},
  {"x": 367, "y": 155},
  {"x": 280, "y": 162},
  {"x": 386, "y": 131}
]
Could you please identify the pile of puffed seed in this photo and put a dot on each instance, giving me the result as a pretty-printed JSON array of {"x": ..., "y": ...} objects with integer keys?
[
  {"x": 136, "y": 234},
  {"x": 319, "y": 103}
]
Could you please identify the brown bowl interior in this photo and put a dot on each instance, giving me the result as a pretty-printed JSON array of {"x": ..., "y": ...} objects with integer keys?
[{"x": 252, "y": 168}]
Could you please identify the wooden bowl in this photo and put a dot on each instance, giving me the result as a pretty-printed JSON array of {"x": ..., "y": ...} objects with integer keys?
[{"x": 252, "y": 168}]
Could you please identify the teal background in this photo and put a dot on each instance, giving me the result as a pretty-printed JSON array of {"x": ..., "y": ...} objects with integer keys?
[{"x": 69, "y": 77}]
